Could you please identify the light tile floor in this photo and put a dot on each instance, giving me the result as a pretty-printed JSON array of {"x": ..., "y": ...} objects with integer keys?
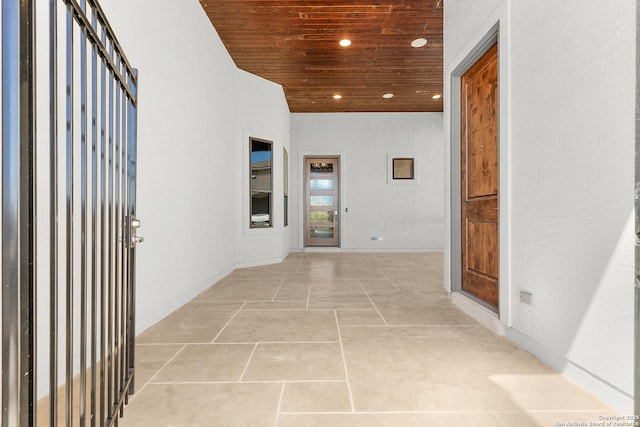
[{"x": 341, "y": 340}]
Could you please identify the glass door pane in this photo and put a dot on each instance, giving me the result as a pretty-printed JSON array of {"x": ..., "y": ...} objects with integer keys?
[
  {"x": 321, "y": 232},
  {"x": 321, "y": 184},
  {"x": 321, "y": 202}
]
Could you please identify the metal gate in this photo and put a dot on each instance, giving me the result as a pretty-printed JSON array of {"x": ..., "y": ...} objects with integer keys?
[{"x": 67, "y": 341}]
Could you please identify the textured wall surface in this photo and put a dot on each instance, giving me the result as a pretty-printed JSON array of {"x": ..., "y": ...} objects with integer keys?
[
  {"x": 406, "y": 216},
  {"x": 262, "y": 113},
  {"x": 194, "y": 107},
  {"x": 568, "y": 71},
  {"x": 195, "y": 112}
]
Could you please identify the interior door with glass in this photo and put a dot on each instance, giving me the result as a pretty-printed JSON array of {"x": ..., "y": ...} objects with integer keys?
[{"x": 321, "y": 200}]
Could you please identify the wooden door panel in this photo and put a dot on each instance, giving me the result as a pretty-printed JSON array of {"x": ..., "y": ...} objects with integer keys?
[
  {"x": 479, "y": 179},
  {"x": 482, "y": 148},
  {"x": 482, "y": 247},
  {"x": 476, "y": 284}
]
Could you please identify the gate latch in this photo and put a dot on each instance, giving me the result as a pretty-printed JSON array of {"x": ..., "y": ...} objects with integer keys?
[{"x": 134, "y": 226}]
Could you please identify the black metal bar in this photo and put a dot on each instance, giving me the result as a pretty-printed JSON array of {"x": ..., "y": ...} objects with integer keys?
[
  {"x": 106, "y": 309},
  {"x": 110, "y": 246},
  {"x": 103, "y": 233},
  {"x": 125, "y": 247},
  {"x": 53, "y": 214},
  {"x": 118, "y": 226},
  {"x": 69, "y": 228},
  {"x": 126, "y": 239},
  {"x": 94, "y": 214},
  {"x": 11, "y": 384},
  {"x": 80, "y": 16},
  {"x": 120, "y": 198},
  {"x": 112, "y": 36},
  {"x": 118, "y": 244},
  {"x": 28, "y": 211},
  {"x": 118, "y": 403},
  {"x": 132, "y": 171},
  {"x": 83, "y": 225},
  {"x": 18, "y": 213}
]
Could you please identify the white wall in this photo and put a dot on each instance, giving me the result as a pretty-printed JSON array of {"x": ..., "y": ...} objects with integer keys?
[
  {"x": 406, "y": 216},
  {"x": 567, "y": 117},
  {"x": 260, "y": 115},
  {"x": 196, "y": 110}
]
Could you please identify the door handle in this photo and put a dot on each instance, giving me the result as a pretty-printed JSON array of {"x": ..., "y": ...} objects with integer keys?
[{"x": 134, "y": 225}]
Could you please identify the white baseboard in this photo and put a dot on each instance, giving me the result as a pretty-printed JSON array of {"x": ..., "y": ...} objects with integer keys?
[
  {"x": 159, "y": 312},
  {"x": 314, "y": 249},
  {"x": 258, "y": 263},
  {"x": 609, "y": 394},
  {"x": 486, "y": 317}
]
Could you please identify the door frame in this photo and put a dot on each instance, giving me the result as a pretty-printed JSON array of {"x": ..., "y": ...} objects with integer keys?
[
  {"x": 453, "y": 235},
  {"x": 477, "y": 211},
  {"x": 302, "y": 156},
  {"x": 335, "y": 240}
]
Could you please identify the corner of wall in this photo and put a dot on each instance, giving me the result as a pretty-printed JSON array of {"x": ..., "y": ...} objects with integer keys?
[{"x": 608, "y": 393}]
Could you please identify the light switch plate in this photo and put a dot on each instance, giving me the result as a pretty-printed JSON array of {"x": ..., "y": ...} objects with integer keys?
[{"x": 525, "y": 297}]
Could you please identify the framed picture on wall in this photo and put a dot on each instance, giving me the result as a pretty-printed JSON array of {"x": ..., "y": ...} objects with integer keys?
[{"x": 402, "y": 168}]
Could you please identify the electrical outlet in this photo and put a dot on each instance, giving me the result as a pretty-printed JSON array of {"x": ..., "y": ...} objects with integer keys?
[
  {"x": 525, "y": 297},
  {"x": 377, "y": 238}
]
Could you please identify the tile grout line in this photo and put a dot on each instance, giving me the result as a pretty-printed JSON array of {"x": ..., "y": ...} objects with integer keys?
[
  {"x": 493, "y": 416},
  {"x": 378, "y": 412},
  {"x": 415, "y": 325},
  {"x": 305, "y": 309},
  {"x": 164, "y": 344},
  {"x": 344, "y": 362},
  {"x": 138, "y": 392},
  {"x": 271, "y": 342},
  {"x": 392, "y": 282},
  {"x": 279, "y": 286},
  {"x": 499, "y": 418},
  {"x": 253, "y": 382},
  {"x": 374, "y": 304},
  {"x": 228, "y": 322},
  {"x": 425, "y": 412},
  {"x": 275, "y": 424},
  {"x": 244, "y": 371}
]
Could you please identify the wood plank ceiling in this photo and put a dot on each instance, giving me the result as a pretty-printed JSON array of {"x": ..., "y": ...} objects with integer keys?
[{"x": 295, "y": 43}]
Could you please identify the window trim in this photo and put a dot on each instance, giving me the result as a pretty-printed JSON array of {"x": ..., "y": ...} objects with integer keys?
[
  {"x": 253, "y": 224},
  {"x": 285, "y": 185}
]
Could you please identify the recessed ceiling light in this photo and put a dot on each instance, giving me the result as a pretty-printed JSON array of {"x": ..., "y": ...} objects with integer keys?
[
  {"x": 387, "y": 95},
  {"x": 419, "y": 42},
  {"x": 345, "y": 42},
  {"x": 337, "y": 96},
  {"x": 436, "y": 96}
]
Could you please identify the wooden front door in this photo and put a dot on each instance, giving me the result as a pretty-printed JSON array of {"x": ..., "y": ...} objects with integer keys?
[
  {"x": 479, "y": 180},
  {"x": 321, "y": 200}
]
